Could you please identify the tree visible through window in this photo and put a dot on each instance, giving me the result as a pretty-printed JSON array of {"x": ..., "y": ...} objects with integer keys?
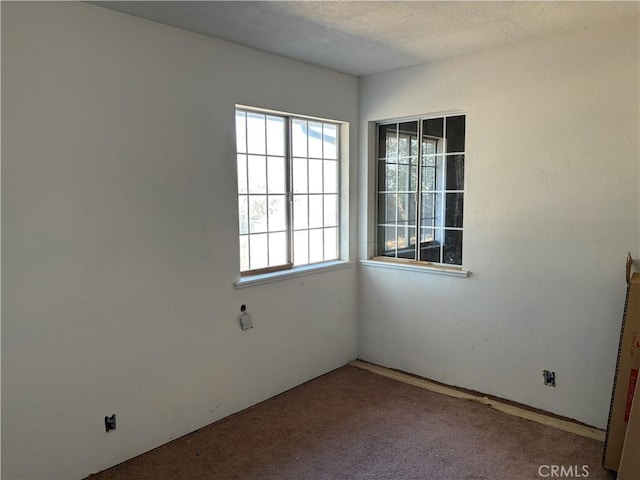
[
  {"x": 421, "y": 189},
  {"x": 288, "y": 185}
]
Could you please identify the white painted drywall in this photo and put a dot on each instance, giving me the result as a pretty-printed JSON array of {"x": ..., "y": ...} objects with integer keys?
[
  {"x": 119, "y": 245},
  {"x": 551, "y": 208}
]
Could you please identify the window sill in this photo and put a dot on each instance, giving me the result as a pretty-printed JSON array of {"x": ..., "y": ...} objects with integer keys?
[
  {"x": 416, "y": 267},
  {"x": 294, "y": 272}
]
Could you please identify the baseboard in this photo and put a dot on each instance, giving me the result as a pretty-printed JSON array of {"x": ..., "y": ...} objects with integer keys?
[{"x": 549, "y": 420}]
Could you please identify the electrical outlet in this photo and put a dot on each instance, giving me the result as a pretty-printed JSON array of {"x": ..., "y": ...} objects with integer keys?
[
  {"x": 549, "y": 378},
  {"x": 110, "y": 423}
]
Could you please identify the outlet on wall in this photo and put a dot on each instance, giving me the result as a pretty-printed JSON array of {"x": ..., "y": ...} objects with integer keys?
[
  {"x": 110, "y": 422},
  {"x": 549, "y": 378}
]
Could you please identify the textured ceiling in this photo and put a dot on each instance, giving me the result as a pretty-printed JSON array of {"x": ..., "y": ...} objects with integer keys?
[{"x": 366, "y": 37}]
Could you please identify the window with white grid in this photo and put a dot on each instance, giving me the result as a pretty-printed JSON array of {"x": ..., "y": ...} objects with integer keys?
[
  {"x": 288, "y": 191},
  {"x": 421, "y": 189}
]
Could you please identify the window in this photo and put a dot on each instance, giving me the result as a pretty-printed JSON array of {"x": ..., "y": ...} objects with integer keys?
[
  {"x": 288, "y": 181},
  {"x": 420, "y": 190}
]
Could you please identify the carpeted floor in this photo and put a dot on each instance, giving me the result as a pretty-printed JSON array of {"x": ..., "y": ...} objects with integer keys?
[{"x": 351, "y": 424}]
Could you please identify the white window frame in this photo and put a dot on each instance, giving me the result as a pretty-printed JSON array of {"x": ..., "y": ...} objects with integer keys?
[
  {"x": 377, "y": 259},
  {"x": 292, "y": 267}
]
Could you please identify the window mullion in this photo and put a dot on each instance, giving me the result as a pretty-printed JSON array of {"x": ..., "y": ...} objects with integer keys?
[
  {"x": 443, "y": 189},
  {"x": 306, "y": 138},
  {"x": 289, "y": 183},
  {"x": 397, "y": 185},
  {"x": 266, "y": 167},
  {"x": 322, "y": 189},
  {"x": 419, "y": 192},
  {"x": 246, "y": 150}
]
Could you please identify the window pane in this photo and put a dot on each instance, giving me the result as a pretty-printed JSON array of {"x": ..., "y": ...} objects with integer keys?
[
  {"x": 275, "y": 135},
  {"x": 410, "y": 130},
  {"x": 244, "y": 253},
  {"x": 428, "y": 178},
  {"x": 403, "y": 148},
  {"x": 315, "y": 139},
  {"x": 406, "y": 208},
  {"x": 330, "y": 176},
  {"x": 257, "y": 214},
  {"x": 406, "y": 242},
  {"x": 256, "y": 133},
  {"x": 242, "y": 174},
  {"x": 387, "y": 208},
  {"x": 382, "y": 176},
  {"x": 315, "y": 176},
  {"x": 413, "y": 178},
  {"x": 404, "y": 178},
  {"x": 330, "y": 210},
  {"x": 427, "y": 235},
  {"x": 428, "y": 215},
  {"x": 434, "y": 127},
  {"x": 387, "y": 241},
  {"x": 243, "y": 213},
  {"x": 301, "y": 247},
  {"x": 330, "y": 243},
  {"x": 277, "y": 213},
  {"x": 300, "y": 175},
  {"x": 391, "y": 143},
  {"x": 257, "y": 174},
  {"x": 316, "y": 250},
  {"x": 299, "y": 138},
  {"x": 315, "y": 211},
  {"x": 277, "y": 175},
  {"x": 455, "y": 134},
  {"x": 258, "y": 251},
  {"x": 407, "y": 139},
  {"x": 452, "y": 251},
  {"x": 429, "y": 146},
  {"x": 277, "y": 248},
  {"x": 390, "y": 176},
  {"x": 453, "y": 209},
  {"x": 431, "y": 160},
  {"x": 300, "y": 212},
  {"x": 439, "y": 168},
  {"x": 330, "y": 140},
  {"x": 387, "y": 141},
  {"x": 241, "y": 132},
  {"x": 430, "y": 252},
  {"x": 455, "y": 172},
  {"x": 439, "y": 210}
]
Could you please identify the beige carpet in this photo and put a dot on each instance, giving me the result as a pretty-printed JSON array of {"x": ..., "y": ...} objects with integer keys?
[{"x": 352, "y": 424}]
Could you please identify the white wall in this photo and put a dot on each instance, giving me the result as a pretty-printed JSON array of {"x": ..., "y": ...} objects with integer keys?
[
  {"x": 119, "y": 246},
  {"x": 551, "y": 208}
]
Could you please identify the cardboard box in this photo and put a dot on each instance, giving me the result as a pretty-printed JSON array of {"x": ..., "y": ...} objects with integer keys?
[
  {"x": 630, "y": 460},
  {"x": 626, "y": 377}
]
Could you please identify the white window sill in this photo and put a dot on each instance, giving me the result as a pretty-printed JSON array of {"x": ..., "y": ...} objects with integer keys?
[
  {"x": 253, "y": 280},
  {"x": 426, "y": 268}
]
